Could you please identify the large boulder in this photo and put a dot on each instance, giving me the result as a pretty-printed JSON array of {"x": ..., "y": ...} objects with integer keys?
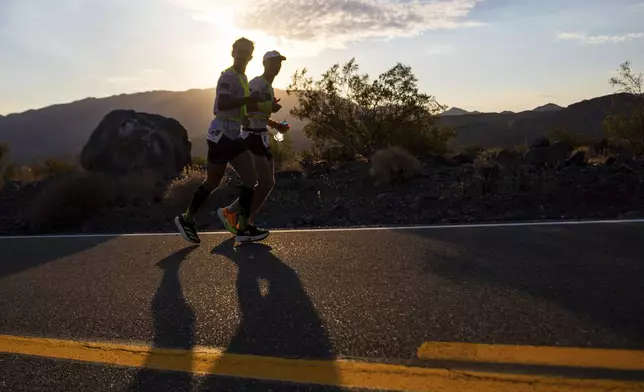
[{"x": 127, "y": 141}]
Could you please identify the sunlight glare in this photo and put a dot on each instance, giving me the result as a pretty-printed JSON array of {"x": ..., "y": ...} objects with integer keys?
[{"x": 216, "y": 56}]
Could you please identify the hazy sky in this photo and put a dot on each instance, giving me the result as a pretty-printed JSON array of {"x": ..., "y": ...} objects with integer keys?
[{"x": 487, "y": 55}]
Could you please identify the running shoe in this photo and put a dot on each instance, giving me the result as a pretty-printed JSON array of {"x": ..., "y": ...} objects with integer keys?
[
  {"x": 187, "y": 229},
  {"x": 251, "y": 233},
  {"x": 228, "y": 218}
]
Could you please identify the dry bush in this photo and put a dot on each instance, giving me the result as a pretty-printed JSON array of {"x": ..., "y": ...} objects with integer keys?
[
  {"x": 487, "y": 157},
  {"x": 593, "y": 157},
  {"x": 392, "y": 164},
  {"x": 180, "y": 191},
  {"x": 54, "y": 167},
  {"x": 292, "y": 165},
  {"x": 70, "y": 199}
]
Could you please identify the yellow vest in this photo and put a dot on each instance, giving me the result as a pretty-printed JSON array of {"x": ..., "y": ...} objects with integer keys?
[
  {"x": 265, "y": 107},
  {"x": 242, "y": 110}
]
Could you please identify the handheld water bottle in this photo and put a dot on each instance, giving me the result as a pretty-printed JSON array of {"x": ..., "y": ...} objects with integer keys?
[{"x": 277, "y": 135}]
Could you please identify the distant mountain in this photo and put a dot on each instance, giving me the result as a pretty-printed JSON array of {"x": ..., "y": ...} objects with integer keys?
[
  {"x": 549, "y": 107},
  {"x": 454, "y": 111},
  {"x": 509, "y": 130},
  {"x": 61, "y": 131}
]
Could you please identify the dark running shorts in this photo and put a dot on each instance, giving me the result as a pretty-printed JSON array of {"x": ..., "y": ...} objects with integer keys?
[
  {"x": 225, "y": 150},
  {"x": 256, "y": 145}
]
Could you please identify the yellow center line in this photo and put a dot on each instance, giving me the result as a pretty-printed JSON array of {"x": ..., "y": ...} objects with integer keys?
[
  {"x": 534, "y": 355},
  {"x": 339, "y": 373}
]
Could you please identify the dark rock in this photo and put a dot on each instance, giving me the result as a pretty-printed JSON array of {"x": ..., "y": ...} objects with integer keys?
[
  {"x": 610, "y": 160},
  {"x": 600, "y": 148},
  {"x": 578, "y": 158},
  {"x": 463, "y": 159},
  {"x": 289, "y": 179},
  {"x": 438, "y": 160},
  {"x": 540, "y": 142},
  {"x": 508, "y": 159},
  {"x": 624, "y": 168},
  {"x": 383, "y": 196},
  {"x": 127, "y": 141},
  {"x": 551, "y": 156}
]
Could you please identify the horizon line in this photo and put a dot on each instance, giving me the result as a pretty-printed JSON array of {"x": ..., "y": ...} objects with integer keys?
[{"x": 211, "y": 88}]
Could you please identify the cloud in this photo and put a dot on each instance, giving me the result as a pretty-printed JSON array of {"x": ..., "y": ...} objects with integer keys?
[
  {"x": 599, "y": 39},
  {"x": 334, "y": 23}
]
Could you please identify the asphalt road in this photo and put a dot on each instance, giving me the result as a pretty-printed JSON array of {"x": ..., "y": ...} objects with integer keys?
[{"x": 317, "y": 295}]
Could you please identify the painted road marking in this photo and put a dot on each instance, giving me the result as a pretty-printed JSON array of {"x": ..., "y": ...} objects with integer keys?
[
  {"x": 534, "y": 355},
  {"x": 339, "y": 373},
  {"x": 349, "y": 229}
]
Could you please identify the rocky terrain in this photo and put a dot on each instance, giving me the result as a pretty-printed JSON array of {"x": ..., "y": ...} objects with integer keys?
[
  {"x": 137, "y": 175},
  {"x": 346, "y": 195}
]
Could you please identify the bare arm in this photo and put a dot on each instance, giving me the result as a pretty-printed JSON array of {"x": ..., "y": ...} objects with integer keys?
[{"x": 277, "y": 125}]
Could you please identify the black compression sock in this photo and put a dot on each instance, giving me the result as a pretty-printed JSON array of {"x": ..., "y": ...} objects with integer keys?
[
  {"x": 198, "y": 198},
  {"x": 245, "y": 200}
]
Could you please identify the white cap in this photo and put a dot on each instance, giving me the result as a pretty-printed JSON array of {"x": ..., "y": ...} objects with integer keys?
[{"x": 273, "y": 54}]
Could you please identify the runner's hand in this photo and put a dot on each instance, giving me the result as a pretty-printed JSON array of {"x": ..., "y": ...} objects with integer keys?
[{"x": 283, "y": 128}]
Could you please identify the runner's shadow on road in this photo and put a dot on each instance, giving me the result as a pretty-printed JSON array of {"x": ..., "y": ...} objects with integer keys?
[
  {"x": 278, "y": 319},
  {"x": 174, "y": 327}
]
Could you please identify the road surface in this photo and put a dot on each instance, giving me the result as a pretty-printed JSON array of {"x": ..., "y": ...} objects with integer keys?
[{"x": 327, "y": 310}]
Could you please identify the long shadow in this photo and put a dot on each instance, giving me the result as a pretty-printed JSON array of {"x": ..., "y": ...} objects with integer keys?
[
  {"x": 278, "y": 319},
  {"x": 596, "y": 272},
  {"x": 19, "y": 254},
  {"x": 174, "y": 327}
]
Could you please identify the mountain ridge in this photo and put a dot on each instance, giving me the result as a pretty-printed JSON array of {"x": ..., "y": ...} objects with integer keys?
[{"x": 61, "y": 130}]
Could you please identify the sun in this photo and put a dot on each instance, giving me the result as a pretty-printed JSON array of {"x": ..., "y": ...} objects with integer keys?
[{"x": 216, "y": 56}]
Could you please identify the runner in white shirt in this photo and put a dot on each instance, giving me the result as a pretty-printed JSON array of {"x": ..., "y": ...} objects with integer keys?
[
  {"x": 225, "y": 146},
  {"x": 257, "y": 137}
]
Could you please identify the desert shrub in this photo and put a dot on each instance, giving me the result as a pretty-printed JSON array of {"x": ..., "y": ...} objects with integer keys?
[
  {"x": 4, "y": 153},
  {"x": 53, "y": 166},
  {"x": 487, "y": 157},
  {"x": 69, "y": 200},
  {"x": 292, "y": 165},
  {"x": 571, "y": 138},
  {"x": 472, "y": 151},
  {"x": 180, "y": 191},
  {"x": 394, "y": 164},
  {"x": 23, "y": 174},
  {"x": 346, "y": 109},
  {"x": 199, "y": 161},
  {"x": 328, "y": 152},
  {"x": 628, "y": 125}
]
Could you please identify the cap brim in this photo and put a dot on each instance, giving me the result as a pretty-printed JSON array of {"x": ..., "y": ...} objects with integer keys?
[{"x": 281, "y": 58}]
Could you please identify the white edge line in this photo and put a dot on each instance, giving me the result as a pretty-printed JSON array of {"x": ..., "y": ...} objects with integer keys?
[{"x": 345, "y": 229}]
